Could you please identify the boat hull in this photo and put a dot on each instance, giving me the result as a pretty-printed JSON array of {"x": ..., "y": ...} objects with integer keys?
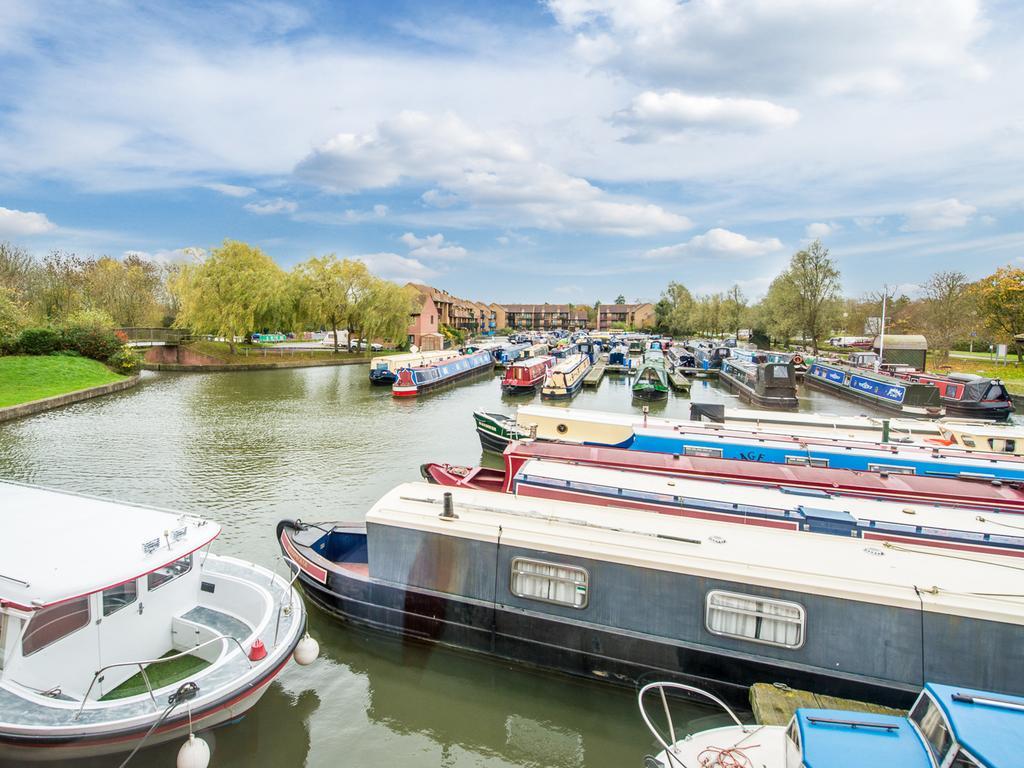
[
  {"x": 785, "y": 402},
  {"x": 383, "y": 378},
  {"x": 34, "y": 748},
  {"x": 494, "y": 436},
  {"x": 430, "y": 386},
  {"x": 598, "y": 653}
]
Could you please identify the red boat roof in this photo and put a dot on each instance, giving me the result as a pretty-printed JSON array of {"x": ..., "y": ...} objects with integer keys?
[{"x": 939, "y": 490}]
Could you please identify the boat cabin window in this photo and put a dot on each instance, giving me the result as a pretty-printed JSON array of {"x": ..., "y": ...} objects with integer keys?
[
  {"x": 763, "y": 620},
  {"x": 169, "y": 572},
  {"x": 703, "y": 452},
  {"x": 50, "y": 624},
  {"x": 793, "y": 733},
  {"x": 891, "y": 469},
  {"x": 928, "y": 718},
  {"x": 807, "y": 461},
  {"x": 116, "y": 598},
  {"x": 1003, "y": 446},
  {"x": 551, "y": 582},
  {"x": 967, "y": 441},
  {"x": 963, "y": 760}
]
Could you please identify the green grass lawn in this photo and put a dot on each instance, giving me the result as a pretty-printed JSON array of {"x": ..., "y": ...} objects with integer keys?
[
  {"x": 159, "y": 675},
  {"x": 24, "y": 378},
  {"x": 254, "y": 354},
  {"x": 1011, "y": 373}
]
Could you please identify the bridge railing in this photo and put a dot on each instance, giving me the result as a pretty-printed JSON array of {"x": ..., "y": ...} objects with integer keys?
[{"x": 166, "y": 335}]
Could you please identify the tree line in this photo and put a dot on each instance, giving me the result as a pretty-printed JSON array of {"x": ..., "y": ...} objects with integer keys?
[
  {"x": 233, "y": 291},
  {"x": 804, "y": 304}
]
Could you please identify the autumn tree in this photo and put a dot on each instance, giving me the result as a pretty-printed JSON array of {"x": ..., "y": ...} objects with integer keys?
[
  {"x": 235, "y": 290},
  {"x": 1000, "y": 299},
  {"x": 126, "y": 289},
  {"x": 948, "y": 309}
]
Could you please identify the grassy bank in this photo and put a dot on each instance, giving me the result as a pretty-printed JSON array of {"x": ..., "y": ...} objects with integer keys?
[
  {"x": 1011, "y": 373},
  {"x": 260, "y": 354},
  {"x": 24, "y": 378}
]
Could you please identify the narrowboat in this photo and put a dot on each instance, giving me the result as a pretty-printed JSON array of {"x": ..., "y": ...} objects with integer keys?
[
  {"x": 417, "y": 380},
  {"x": 526, "y": 375},
  {"x": 772, "y": 385},
  {"x": 949, "y": 726},
  {"x": 623, "y": 595},
  {"x": 805, "y": 510},
  {"x": 710, "y": 440},
  {"x": 384, "y": 369},
  {"x": 589, "y": 347},
  {"x": 619, "y": 360},
  {"x": 507, "y": 354},
  {"x": 981, "y": 495},
  {"x": 710, "y": 358},
  {"x": 119, "y": 628},
  {"x": 650, "y": 382},
  {"x": 565, "y": 378},
  {"x": 534, "y": 350},
  {"x": 885, "y": 392},
  {"x": 680, "y": 357},
  {"x": 969, "y": 396},
  {"x": 496, "y": 430},
  {"x": 564, "y": 351}
]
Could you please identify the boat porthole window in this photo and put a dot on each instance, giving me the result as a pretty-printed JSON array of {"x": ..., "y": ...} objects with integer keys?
[
  {"x": 53, "y": 623},
  {"x": 169, "y": 572},
  {"x": 562, "y": 429}
]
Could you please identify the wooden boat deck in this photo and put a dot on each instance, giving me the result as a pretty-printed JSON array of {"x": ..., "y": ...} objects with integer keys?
[
  {"x": 775, "y": 705},
  {"x": 594, "y": 375}
]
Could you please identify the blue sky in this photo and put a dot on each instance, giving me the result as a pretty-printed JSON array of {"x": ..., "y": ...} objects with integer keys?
[{"x": 568, "y": 150}]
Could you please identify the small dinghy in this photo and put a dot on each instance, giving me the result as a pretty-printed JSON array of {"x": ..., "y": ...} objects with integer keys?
[{"x": 119, "y": 629}]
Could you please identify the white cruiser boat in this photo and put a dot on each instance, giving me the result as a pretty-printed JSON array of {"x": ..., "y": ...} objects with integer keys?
[{"x": 118, "y": 628}]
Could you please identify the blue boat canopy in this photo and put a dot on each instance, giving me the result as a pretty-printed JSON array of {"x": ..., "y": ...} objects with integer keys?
[
  {"x": 990, "y": 726},
  {"x": 831, "y": 738}
]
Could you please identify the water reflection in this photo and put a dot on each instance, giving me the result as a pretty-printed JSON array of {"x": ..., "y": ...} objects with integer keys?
[{"x": 250, "y": 448}]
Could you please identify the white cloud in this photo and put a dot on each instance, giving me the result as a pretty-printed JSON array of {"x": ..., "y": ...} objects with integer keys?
[
  {"x": 821, "y": 229},
  {"x": 395, "y": 267},
  {"x": 271, "y": 207},
  {"x": 940, "y": 214},
  {"x": 717, "y": 244},
  {"x": 23, "y": 223},
  {"x": 432, "y": 247},
  {"x": 654, "y": 115},
  {"x": 231, "y": 190},
  {"x": 492, "y": 172},
  {"x": 502, "y": 240},
  {"x": 170, "y": 255},
  {"x": 766, "y": 46}
]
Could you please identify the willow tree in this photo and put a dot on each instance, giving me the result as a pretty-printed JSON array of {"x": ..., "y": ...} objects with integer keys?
[
  {"x": 234, "y": 290},
  {"x": 323, "y": 292}
]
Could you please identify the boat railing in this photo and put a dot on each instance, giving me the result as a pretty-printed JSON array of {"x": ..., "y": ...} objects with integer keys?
[
  {"x": 661, "y": 687},
  {"x": 283, "y": 609},
  {"x": 142, "y": 664}
]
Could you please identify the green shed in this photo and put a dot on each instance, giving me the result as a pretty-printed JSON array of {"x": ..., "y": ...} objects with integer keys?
[{"x": 900, "y": 349}]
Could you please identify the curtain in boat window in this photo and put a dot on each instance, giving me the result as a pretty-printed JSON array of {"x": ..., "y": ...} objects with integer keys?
[
  {"x": 753, "y": 618},
  {"x": 550, "y": 582}
]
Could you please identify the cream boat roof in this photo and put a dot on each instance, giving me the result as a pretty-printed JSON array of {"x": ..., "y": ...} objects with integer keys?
[
  {"x": 853, "y": 569},
  {"x": 413, "y": 358},
  {"x": 995, "y": 523},
  {"x": 565, "y": 365},
  {"x": 57, "y": 545}
]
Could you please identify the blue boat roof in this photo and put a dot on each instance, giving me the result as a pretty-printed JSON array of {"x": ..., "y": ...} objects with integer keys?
[
  {"x": 988, "y": 725},
  {"x": 875, "y": 740}
]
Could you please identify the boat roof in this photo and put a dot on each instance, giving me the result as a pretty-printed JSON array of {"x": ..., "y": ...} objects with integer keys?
[
  {"x": 833, "y": 738},
  {"x": 836, "y": 566},
  {"x": 809, "y": 502},
  {"x": 989, "y": 725},
  {"x": 57, "y": 545},
  {"x": 568, "y": 363}
]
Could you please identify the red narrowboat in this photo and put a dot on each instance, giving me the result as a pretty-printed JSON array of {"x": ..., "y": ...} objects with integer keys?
[{"x": 526, "y": 375}]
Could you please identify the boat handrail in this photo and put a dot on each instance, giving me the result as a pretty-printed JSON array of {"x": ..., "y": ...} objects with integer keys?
[
  {"x": 147, "y": 662},
  {"x": 660, "y": 687},
  {"x": 295, "y": 571}
]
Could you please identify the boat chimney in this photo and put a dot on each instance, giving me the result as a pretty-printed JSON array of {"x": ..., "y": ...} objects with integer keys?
[
  {"x": 885, "y": 430},
  {"x": 449, "y": 507},
  {"x": 646, "y": 411}
]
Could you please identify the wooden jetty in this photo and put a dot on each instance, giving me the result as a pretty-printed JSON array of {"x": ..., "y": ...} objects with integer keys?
[
  {"x": 679, "y": 382},
  {"x": 699, "y": 373},
  {"x": 775, "y": 704},
  {"x": 595, "y": 374}
]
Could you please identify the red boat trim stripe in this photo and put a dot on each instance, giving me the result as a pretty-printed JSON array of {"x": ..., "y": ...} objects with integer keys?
[{"x": 318, "y": 573}]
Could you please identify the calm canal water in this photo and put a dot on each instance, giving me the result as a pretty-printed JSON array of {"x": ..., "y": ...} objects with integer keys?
[{"x": 249, "y": 448}]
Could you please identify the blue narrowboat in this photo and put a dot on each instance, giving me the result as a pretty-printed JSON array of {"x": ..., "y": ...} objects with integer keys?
[
  {"x": 886, "y": 392},
  {"x": 416, "y": 381}
]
